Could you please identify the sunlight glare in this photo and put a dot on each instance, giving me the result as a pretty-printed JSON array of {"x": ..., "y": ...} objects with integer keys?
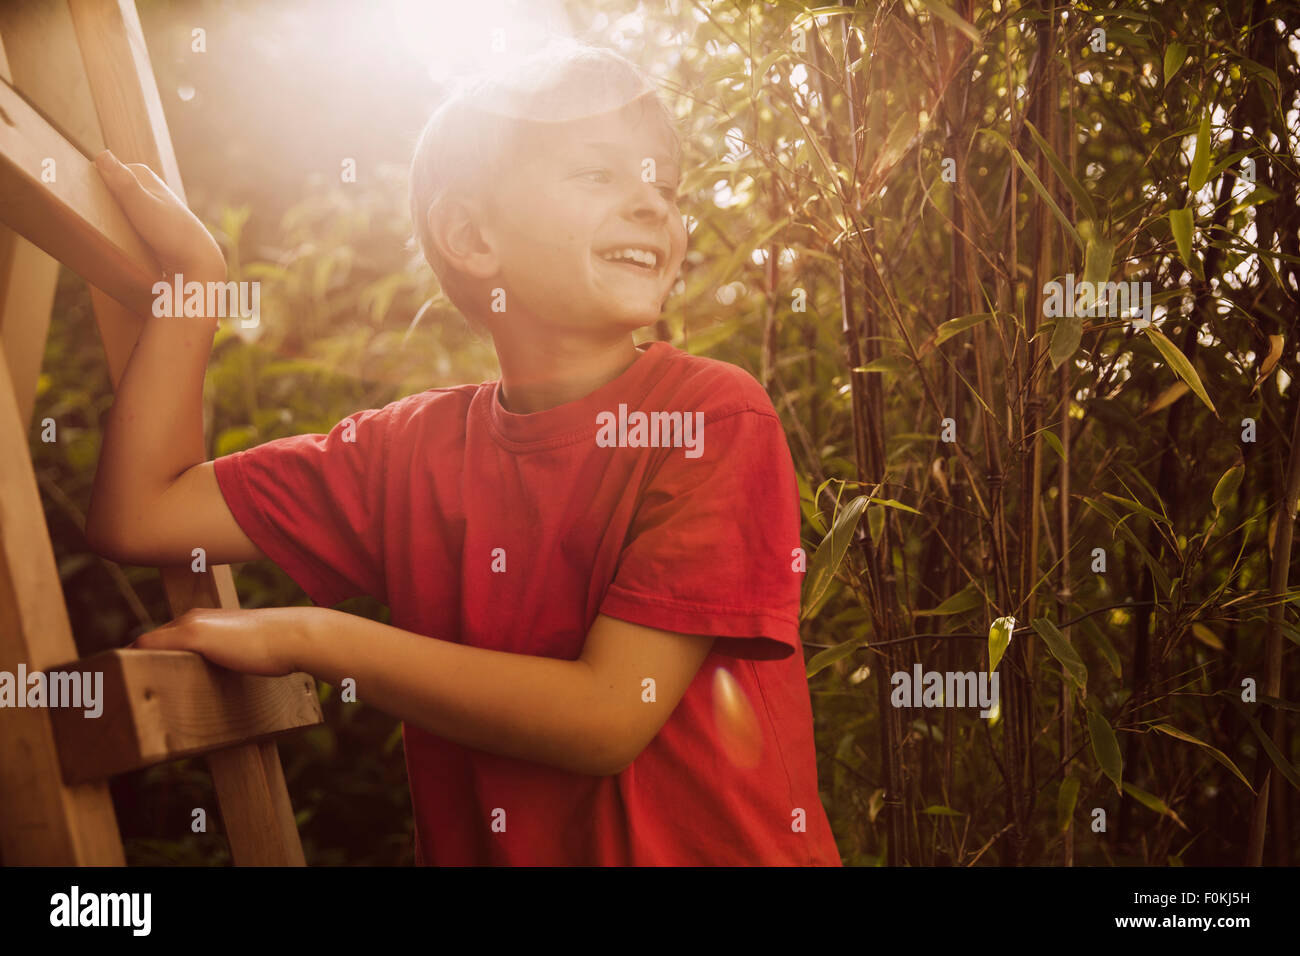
[
  {"x": 450, "y": 38},
  {"x": 736, "y": 722}
]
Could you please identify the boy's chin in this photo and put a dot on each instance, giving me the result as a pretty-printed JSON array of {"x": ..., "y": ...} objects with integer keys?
[
  {"x": 621, "y": 316},
  {"x": 597, "y": 315},
  {"x": 628, "y": 321},
  {"x": 636, "y": 312}
]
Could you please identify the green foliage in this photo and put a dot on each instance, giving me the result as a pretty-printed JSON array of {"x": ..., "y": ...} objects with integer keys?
[
  {"x": 1134, "y": 172},
  {"x": 826, "y": 560},
  {"x": 1071, "y": 663},
  {"x": 1105, "y": 747},
  {"x": 999, "y": 640}
]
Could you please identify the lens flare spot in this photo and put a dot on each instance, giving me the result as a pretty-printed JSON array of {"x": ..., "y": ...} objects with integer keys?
[{"x": 736, "y": 722}]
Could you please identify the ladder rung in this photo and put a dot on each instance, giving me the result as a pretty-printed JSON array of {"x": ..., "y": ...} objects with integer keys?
[
  {"x": 74, "y": 218},
  {"x": 165, "y": 705}
]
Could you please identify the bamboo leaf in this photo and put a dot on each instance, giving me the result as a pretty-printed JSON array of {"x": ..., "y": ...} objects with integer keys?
[
  {"x": 1260, "y": 194},
  {"x": 1097, "y": 260},
  {"x": 1180, "y": 224},
  {"x": 1038, "y": 186},
  {"x": 1066, "y": 798},
  {"x": 900, "y": 136},
  {"x": 896, "y": 364},
  {"x": 1061, "y": 648},
  {"x": 999, "y": 640},
  {"x": 1152, "y": 802},
  {"x": 960, "y": 324},
  {"x": 807, "y": 16},
  {"x": 1105, "y": 647},
  {"x": 1270, "y": 76},
  {"x": 1105, "y": 747},
  {"x": 1054, "y": 443},
  {"x": 1157, "y": 572},
  {"x": 967, "y": 599},
  {"x": 938, "y": 810},
  {"x": 1290, "y": 632},
  {"x": 1276, "y": 343},
  {"x": 824, "y": 659},
  {"x": 1177, "y": 361},
  {"x": 1137, "y": 508},
  {"x": 1066, "y": 336},
  {"x": 1283, "y": 765},
  {"x": 1214, "y": 752},
  {"x": 808, "y": 503},
  {"x": 894, "y": 503},
  {"x": 1166, "y": 398},
  {"x": 1175, "y": 55},
  {"x": 1221, "y": 167},
  {"x": 1206, "y": 636},
  {"x": 1064, "y": 175},
  {"x": 953, "y": 19},
  {"x": 826, "y": 561},
  {"x": 1201, "y": 159},
  {"x": 1227, "y": 486},
  {"x": 875, "y": 803}
]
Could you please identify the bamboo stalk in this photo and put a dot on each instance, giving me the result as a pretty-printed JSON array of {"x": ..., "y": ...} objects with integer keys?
[{"x": 1278, "y": 579}]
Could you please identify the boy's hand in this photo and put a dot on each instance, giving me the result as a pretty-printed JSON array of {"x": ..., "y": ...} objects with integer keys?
[
  {"x": 261, "y": 641},
  {"x": 167, "y": 226}
]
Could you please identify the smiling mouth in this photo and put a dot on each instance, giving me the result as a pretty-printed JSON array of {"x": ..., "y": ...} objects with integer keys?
[{"x": 632, "y": 267}]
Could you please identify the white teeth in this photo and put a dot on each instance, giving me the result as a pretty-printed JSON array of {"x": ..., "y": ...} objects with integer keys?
[{"x": 644, "y": 256}]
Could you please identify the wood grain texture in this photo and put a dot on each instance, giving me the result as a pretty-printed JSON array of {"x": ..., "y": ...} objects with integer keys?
[
  {"x": 74, "y": 218},
  {"x": 166, "y": 705},
  {"x": 42, "y": 819},
  {"x": 28, "y": 278}
]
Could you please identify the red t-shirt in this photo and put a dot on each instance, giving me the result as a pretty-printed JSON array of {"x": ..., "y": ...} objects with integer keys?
[{"x": 408, "y": 503}]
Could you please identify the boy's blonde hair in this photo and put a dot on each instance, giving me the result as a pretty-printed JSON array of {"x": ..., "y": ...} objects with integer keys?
[{"x": 468, "y": 141}]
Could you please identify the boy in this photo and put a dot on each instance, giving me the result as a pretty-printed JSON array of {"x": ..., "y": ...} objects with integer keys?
[{"x": 591, "y": 564}]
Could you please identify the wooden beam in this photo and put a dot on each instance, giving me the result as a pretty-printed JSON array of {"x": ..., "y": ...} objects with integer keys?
[
  {"x": 74, "y": 218},
  {"x": 45, "y": 66},
  {"x": 254, "y": 801},
  {"x": 28, "y": 278},
  {"x": 255, "y": 806},
  {"x": 157, "y": 706},
  {"x": 124, "y": 90},
  {"x": 43, "y": 820},
  {"x": 6, "y": 74}
]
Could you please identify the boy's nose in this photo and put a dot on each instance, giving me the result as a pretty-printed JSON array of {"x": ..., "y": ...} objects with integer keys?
[{"x": 648, "y": 202}]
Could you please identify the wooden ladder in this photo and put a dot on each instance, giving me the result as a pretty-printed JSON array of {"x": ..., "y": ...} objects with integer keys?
[{"x": 75, "y": 78}]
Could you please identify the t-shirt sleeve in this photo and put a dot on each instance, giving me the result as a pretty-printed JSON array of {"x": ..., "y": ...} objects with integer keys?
[
  {"x": 314, "y": 504},
  {"x": 711, "y": 549}
]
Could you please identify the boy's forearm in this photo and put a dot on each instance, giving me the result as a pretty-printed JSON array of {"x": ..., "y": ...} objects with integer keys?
[
  {"x": 533, "y": 708},
  {"x": 154, "y": 430}
]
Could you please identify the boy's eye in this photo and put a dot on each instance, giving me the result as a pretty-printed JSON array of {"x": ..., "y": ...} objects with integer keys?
[{"x": 668, "y": 190}]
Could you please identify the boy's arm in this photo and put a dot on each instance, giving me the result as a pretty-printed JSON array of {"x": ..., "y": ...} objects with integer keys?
[
  {"x": 155, "y": 497},
  {"x": 586, "y": 716}
]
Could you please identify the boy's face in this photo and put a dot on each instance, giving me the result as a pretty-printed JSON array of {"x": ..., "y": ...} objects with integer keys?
[{"x": 575, "y": 195}]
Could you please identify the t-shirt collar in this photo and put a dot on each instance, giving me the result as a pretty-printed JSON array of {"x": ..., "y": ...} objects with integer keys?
[{"x": 574, "y": 419}]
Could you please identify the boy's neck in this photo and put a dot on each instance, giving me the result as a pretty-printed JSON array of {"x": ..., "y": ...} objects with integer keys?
[{"x": 537, "y": 375}]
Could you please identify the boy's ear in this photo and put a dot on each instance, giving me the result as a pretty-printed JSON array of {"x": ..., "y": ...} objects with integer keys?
[{"x": 455, "y": 227}]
